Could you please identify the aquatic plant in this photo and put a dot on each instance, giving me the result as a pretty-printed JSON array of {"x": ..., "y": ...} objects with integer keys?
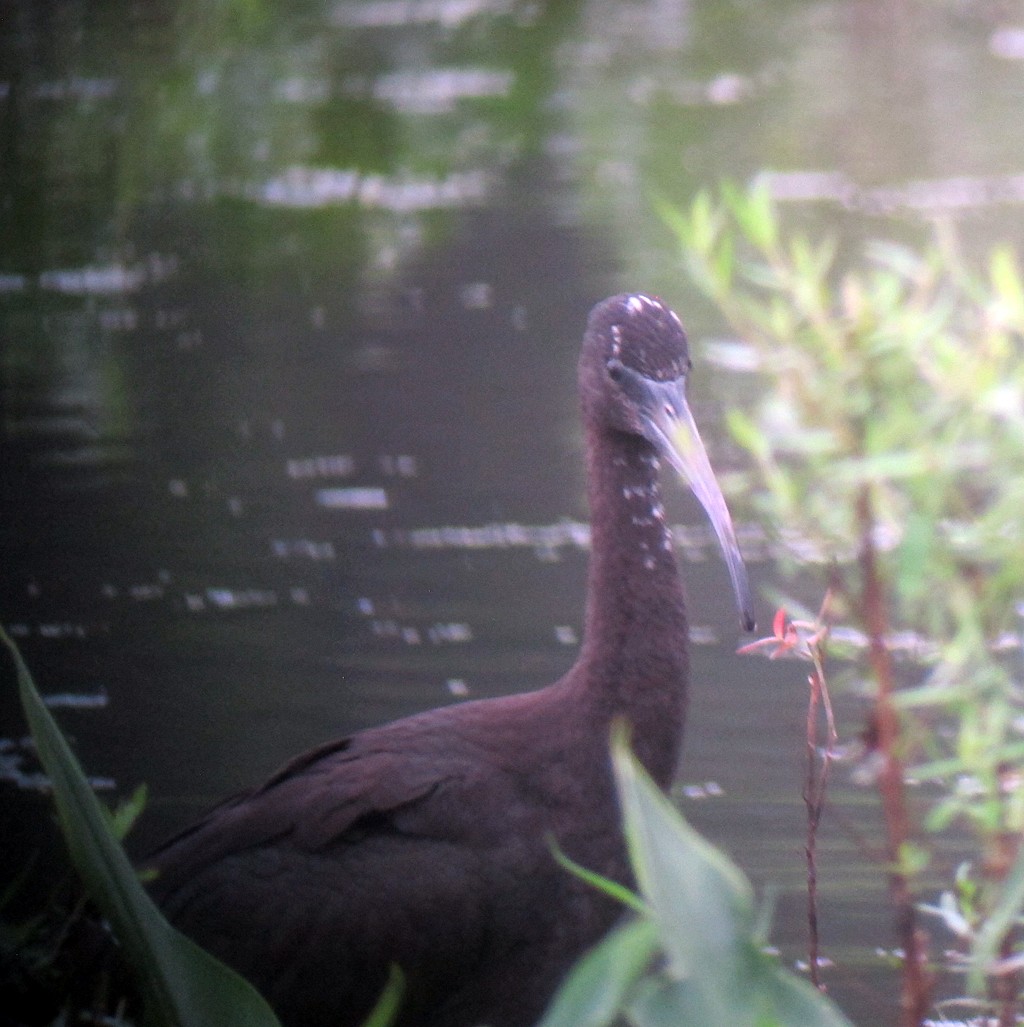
[
  {"x": 694, "y": 951},
  {"x": 887, "y": 441}
]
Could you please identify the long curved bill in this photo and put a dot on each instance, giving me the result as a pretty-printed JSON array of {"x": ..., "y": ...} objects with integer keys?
[{"x": 674, "y": 433}]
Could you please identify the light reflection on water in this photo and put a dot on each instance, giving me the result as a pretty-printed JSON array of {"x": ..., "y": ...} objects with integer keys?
[{"x": 289, "y": 335}]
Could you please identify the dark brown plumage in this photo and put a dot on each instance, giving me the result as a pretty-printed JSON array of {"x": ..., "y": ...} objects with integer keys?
[{"x": 427, "y": 842}]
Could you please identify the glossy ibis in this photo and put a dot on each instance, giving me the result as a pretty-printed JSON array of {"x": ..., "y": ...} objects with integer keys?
[{"x": 427, "y": 842}]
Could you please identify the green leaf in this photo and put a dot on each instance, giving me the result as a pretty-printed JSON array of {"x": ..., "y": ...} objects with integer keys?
[
  {"x": 1006, "y": 278},
  {"x": 181, "y": 985},
  {"x": 747, "y": 433},
  {"x": 611, "y": 888},
  {"x": 913, "y": 859},
  {"x": 699, "y": 913},
  {"x": 701, "y": 901},
  {"x": 990, "y": 937},
  {"x": 123, "y": 818},
  {"x": 790, "y": 1000},
  {"x": 595, "y": 991},
  {"x": 724, "y": 264},
  {"x": 767, "y": 995},
  {"x": 915, "y": 555},
  {"x": 905, "y": 262},
  {"x": 891, "y": 466},
  {"x": 384, "y": 1012},
  {"x": 664, "y": 1002},
  {"x": 702, "y": 224},
  {"x": 754, "y": 212},
  {"x": 943, "y": 813},
  {"x": 674, "y": 219}
]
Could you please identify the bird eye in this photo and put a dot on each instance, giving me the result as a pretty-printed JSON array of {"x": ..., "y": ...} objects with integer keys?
[{"x": 615, "y": 370}]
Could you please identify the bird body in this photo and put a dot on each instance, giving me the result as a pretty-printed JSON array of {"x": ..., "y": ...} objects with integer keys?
[
  {"x": 427, "y": 843},
  {"x": 424, "y": 843}
]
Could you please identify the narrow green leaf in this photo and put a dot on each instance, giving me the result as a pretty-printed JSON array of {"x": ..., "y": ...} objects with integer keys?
[
  {"x": 944, "y": 813},
  {"x": 747, "y": 433},
  {"x": 1006, "y": 278},
  {"x": 384, "y": 1012},
  {"x": 724, "y": 264},
  {"x": 913, "y": 859},
  {"x": 896, "y": 257},
  {"x": 611, "y": 888},
  {"x": 594, "y": 993},
  {"x": 915, "y": 555},
  {"x": 754, "y": 212},
  {"x": 123, "y": 818},
  {"x": 181, "y": 985},
  {"x": 888, "y": 466},
  {"x": 990, "y": 937},
  {"x": 674, "y": 219},
  {"x": 702, "y": 228}
]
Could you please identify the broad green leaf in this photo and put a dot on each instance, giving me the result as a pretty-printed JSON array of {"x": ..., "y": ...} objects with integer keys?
[
  {"x": 699, "y": 913},
  {"x": 788, "y": 1001},
  {"x": 181, "y": 985},
  {"x": 767, "y": 995},
  {"x": 595, "y": 991},
  {"x": 665, "y": 1002},
  {"x": 701, "y": 901}
]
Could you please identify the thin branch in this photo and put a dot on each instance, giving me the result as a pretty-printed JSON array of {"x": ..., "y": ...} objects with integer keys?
[
  {"x": 814, "y": 800},
  {"x": 915, "y": 996},
  {"x": 819, "y": 758}
]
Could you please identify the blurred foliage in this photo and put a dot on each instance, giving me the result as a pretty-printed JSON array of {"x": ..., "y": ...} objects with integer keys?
[{"x": 892, "y": 418}]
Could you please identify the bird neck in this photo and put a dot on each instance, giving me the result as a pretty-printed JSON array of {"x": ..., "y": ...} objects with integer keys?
[{"x": 635, "y": 638}]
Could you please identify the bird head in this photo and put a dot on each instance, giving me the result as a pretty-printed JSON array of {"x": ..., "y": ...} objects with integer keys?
[{"x": 633, "y": 375}]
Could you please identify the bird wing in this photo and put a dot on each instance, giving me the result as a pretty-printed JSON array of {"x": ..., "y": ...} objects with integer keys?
[
  {"x": 334, "y": 794},
  {"x": 344, "y": 862},
  {"x": 422, "y": 843}
]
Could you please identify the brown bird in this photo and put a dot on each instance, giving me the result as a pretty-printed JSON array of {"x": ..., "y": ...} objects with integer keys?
[{"x": 427, "y": 842}]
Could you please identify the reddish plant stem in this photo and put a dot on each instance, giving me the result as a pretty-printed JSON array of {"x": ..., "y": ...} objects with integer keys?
[
  {"x": 814, "y": 799},
  {"x": 914, "y": 998}
]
